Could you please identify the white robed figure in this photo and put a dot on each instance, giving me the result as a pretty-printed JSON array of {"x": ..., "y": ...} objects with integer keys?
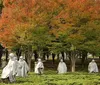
[
  {"x": 23, "y": 68},
  {"x": 39, "y": 67},
  {"x": 62, "y": 68},
  {"x": 92, "y": 67},
  {"x": 9, "y": 70}
]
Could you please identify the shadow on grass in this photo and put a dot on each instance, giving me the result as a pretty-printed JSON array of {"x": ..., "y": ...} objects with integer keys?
[{"x": 20, "y": 81}]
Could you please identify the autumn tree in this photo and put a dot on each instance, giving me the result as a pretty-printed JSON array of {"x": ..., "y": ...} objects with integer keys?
[
  {"x": 23, "y": 27},
  {"x": 70, "y": 22},
  {"x": 14, "y": 14},
  {"x": 59, "y": 25}
]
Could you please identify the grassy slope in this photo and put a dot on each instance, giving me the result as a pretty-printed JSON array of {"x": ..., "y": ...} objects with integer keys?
[{"x": 51, "y": 78}]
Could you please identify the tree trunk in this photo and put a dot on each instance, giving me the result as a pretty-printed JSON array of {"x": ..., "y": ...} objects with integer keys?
[
  {"x": 73, "y": 65},
  {"x": 44, "y": 54},
  {"x": 84, "y": 55},
  {"x": 58, "y": 57},
  {"x": 93, "y": 55},
  {"x": 1, "y": 52},
  {"x": 6, "y": 52},
  {"x": 47, "y": 56},
  {"x": 29, "y": 62},
  {"x": 18, "y": 52},
  {"x": 53, "y": 57},
  {"x": 35, "y": 55},
  {"x": 73, "y": 60},
  {"x": 63, "y": 56},
  {"x": 28, "y": 56}
]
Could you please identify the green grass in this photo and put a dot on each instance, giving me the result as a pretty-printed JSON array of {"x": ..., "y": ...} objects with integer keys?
[{"x": 52, "y": 78}]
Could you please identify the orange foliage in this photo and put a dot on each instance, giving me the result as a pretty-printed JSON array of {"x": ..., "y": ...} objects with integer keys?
[
  {"x": 60, "y": 14},
  {"x": 13, "y": 13},
  {"x": 74, "y": 10}
]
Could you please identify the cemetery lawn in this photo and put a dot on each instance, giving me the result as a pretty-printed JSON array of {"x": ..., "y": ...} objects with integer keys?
[{"x": 52, "y": 78}]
